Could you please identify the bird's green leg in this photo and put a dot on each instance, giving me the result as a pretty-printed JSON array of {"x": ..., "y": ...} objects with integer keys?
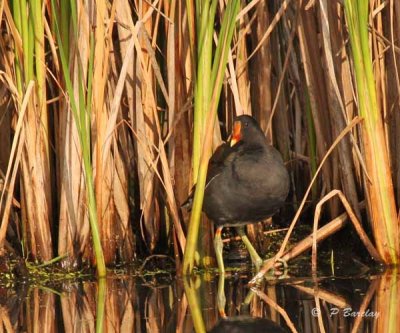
[
  {"x": 218, "y": 246},
  {"x": 255, "y": 258},
  {"x": 221, "y": 300}
]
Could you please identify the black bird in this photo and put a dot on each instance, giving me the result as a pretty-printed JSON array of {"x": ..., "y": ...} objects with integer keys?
[{"x": 247, "y": 182}]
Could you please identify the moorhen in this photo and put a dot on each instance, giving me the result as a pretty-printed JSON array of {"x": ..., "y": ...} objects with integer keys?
[{"x": 247, "y": 182}]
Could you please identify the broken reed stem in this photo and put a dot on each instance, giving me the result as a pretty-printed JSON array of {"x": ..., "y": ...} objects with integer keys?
[
  {"x": 270, "y": 263},
  {"x": 321, "y": 234},
  {"x": 327, "y": 296},
  {"x": 364, "y": 305},
  {"x": 275, "y": 306},
  {"x": 319, "y": 317},
  {"x": 357, "y": 225}
]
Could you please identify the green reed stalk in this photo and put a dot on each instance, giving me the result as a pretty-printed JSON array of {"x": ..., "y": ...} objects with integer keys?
[
  {"x": 207, "y": 111},
  {"x": 25, "y": 39},
  {"x": 101, "y": 304},
  {"x": 194, "y": 305},
  {"x": 17, "y": 20},
  {"x": 39, "y": 47},
  {"x": 380, "y": 189},
  {"x": 205, "y": 29},
  {"x": 40, "y": 69},
  {"x": 30, "y": 66},
  {"x": 82, "y": 121}
]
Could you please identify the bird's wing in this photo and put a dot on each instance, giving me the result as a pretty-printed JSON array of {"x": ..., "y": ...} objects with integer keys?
[{"x": 216, "y": 165}]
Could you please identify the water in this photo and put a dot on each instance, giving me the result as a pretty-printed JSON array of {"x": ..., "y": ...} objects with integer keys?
[{"x": 368, "y": 302}]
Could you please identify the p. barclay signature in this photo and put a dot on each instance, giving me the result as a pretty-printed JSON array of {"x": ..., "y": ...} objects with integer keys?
[{"x": 347, "y": 312}]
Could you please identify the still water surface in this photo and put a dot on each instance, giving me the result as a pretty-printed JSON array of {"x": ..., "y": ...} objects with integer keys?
[{"x": 166, "y": 303}]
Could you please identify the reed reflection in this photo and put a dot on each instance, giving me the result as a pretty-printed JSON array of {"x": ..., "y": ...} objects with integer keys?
[{"x": 204, "y": 303}]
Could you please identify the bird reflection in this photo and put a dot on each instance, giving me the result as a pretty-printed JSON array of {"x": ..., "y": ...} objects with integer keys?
[
  {"x": 242, "y": 323},
  {"x": 246, "y": 324}
]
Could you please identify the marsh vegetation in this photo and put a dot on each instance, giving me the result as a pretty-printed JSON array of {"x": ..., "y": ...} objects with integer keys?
[{"x": 110, "y": 110}]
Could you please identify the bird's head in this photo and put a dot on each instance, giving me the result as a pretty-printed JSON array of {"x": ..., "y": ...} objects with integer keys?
[{"x": 246, "y": 129}]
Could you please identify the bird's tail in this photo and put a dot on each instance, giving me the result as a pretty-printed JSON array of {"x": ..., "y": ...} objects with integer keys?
[{"x": 189, "y": 201}]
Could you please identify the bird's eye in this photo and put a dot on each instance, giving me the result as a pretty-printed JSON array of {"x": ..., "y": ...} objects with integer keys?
[{"x": 246, "y": 124}]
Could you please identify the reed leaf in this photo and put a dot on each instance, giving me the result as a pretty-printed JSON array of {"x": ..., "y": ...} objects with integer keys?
[
  {"x": 82, "y": 122},
  {"x": 380, "y": 189},
  {"x": 35, "y": 170},
  {"x": 217, "y": 73}
]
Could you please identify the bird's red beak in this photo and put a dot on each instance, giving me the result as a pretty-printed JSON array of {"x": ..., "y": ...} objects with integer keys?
[{"x": 236, "y": 133}]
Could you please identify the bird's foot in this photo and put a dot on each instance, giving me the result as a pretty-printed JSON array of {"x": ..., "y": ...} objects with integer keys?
[{"x": 279, "y": 270}]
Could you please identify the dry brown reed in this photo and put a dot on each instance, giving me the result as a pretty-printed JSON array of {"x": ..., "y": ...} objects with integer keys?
[{"x": 290, "y": 65}]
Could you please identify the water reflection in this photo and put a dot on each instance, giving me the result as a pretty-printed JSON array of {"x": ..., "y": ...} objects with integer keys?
[
  {"x": 242, "y": 324},
  {"x": 129, "y": 304}
]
